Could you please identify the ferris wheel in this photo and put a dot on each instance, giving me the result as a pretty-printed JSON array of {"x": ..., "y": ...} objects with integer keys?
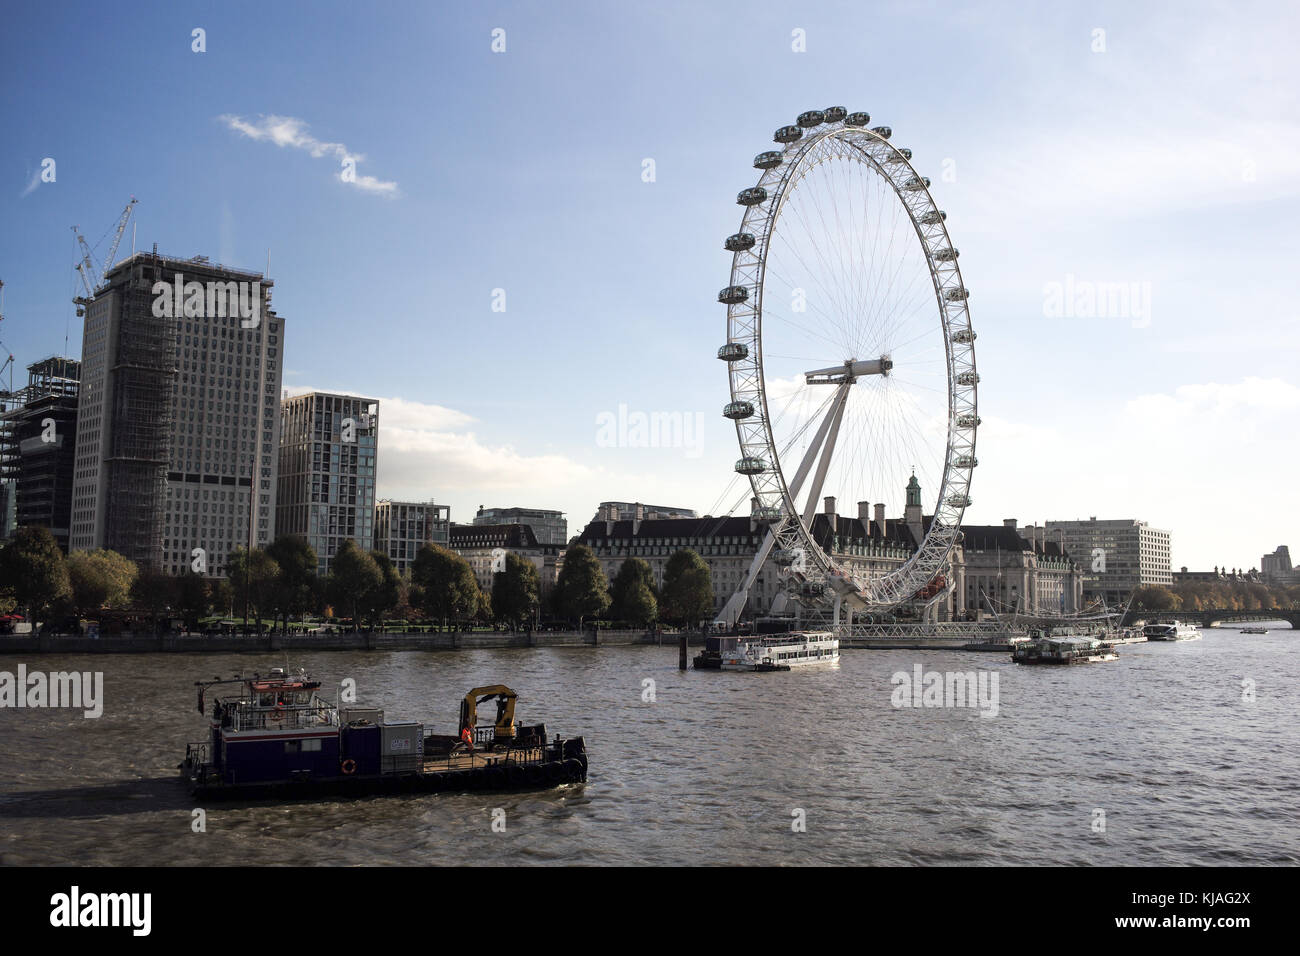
[{"x": 851, "y": 361}]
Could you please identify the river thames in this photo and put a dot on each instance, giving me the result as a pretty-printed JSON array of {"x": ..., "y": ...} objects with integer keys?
[{"x": 1175, "y": 754}]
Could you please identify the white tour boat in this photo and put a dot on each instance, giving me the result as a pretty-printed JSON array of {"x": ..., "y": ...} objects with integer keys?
[
  {"x": 770, "y": 652},
  {"x": 1172, "y": 631}
]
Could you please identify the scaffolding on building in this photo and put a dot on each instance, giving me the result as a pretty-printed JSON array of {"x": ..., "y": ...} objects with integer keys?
[
  {"x": 144, "y": 377},
  {"x": 37, "y": 434}
]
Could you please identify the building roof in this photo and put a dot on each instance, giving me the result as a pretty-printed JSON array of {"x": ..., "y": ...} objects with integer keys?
[{"x": 492, "y": 536}]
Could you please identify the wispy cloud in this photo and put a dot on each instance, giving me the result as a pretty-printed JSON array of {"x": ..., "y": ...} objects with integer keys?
[
  {"x": 292, "y": 132},
  {"x": 31, "y": 184}
]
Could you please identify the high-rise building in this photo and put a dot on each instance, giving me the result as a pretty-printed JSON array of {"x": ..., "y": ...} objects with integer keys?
[
  {"x": 403, "y": 527},
  {"x": 1276, "y": 567},
  {"x": 328, "y": 449},
  {"x": 38, "y": 433},
  {"x": 177, "y": 420},
  {"x": 1117, "y": 556},
  {"x": 549, "y": 527}
]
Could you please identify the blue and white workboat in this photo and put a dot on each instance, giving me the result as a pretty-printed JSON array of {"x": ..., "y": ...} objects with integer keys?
[{"x": 277, "y": 735}]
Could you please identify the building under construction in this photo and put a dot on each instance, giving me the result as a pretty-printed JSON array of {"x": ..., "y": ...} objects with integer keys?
[
  {"x": 38, "y": 433},
  {"x": 178, "y": 423}
]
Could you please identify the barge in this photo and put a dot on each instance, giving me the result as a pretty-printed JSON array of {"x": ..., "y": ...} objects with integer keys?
[
  {"x": 276, "y": 737},
  {"x": 771, "y": 652},
  {"x": 1063, "y": 650}
]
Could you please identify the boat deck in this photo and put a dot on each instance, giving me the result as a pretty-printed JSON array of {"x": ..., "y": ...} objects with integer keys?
[{"x": 482, "y": 758}]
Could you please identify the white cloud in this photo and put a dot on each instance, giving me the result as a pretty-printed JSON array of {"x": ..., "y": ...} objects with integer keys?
[
  {"x": 292, "y": 132},
  {"x": 31, "y": 184}
]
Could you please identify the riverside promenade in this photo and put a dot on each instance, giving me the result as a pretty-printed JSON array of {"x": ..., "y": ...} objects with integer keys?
[{"x": 365, "y": 640}]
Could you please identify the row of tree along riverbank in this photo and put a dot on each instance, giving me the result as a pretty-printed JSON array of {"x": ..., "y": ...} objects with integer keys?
[{"x": 356, "y": 641}]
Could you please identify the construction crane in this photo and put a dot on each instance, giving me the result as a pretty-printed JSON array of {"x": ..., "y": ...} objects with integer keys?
[
  {"x": 91, "y": 277},
  {"x": 8, "y": 366}
]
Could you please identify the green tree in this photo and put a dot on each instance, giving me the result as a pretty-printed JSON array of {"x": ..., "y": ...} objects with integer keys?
[
  {"x": 443, "y": 585},
  {"x": 388, "y": 594},
  {"x": 514, "y": 591},
  {"x": 353, "y": 577},
  {"x": 687, "y": 596},
  {"x": 34, "y": 571},
  {"x": 100, "y": 579},
  {"x": 252, "y": 582},
  {"x": 192, "y": 598},
  {"x": 296, "y": 588},
  {"x": 154, "y": 593},
  {"x": 633, "y": 591},
  {"x": 582, "y": 589}
]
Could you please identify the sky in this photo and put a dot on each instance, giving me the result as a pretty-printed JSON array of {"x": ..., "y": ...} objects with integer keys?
[{"x": 469, "y": 235}]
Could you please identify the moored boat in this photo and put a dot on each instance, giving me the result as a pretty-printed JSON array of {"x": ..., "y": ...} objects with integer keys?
[
  {"x": 769, "y": 652},
  {"x": 1073, "y": 649},
  {"x": 277, "y": 736},
  {"x": 1254, "y": 630}
]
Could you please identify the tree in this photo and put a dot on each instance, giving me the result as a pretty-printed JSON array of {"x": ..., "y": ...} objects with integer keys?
[
  {"x": 687, "y": 596},
  {"x": 443, "y": 585},
  {"x": 514, "y": 590},
  {"x": 154, "y": 592},
  {"x": 1155, "y": 597},
  {"x": 388, "y": 594},
  {"x": 100, "y": 579},
  {"x": 296, "y": 587},
  {"x": 633, "y": 592},
  {"x": 353, "y": 576},
  {"x": 192, "y": 598},
  {"x": 33, "y": 569},
  {"x": 582, "y": 589},
  {"x": 253, "y": 581}
]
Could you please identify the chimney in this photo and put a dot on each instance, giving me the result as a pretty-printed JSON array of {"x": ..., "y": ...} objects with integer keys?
[
  {"x": 1009, "y": 523},
  {"x": 880, "y": 518},
  {"x": 753, "y": 505},
  {"x": 828, "y": 504},
  {"x": 864, "y": 511}
]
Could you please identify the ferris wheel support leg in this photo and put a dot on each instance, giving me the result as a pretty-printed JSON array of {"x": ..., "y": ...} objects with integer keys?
[{"x": 835, "y": 416}]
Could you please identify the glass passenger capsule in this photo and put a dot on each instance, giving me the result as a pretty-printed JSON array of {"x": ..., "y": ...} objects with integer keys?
[
  {"x": 907, "y": 153},
  {"x": 739, "y": 242},
  {"x": 884, "y": 132},
  {"x": 733, "y": 295},
  {"x": 968, "y": 378},
  {"x": 964, "y": 336},
  {"x": 968, "y": 421},
  {"x": 738, "y": 410},
  {"x": 966, "y": 461},
  {"x": 811, "y": 118},
  {"x": 751, "y": 466},
  {"x": 834, "y": 114},
  {"x": 733, "y": 351},
  {"x": 946, "y": 255},
  {"x": 959, "y": 294},
  {"x": 959, "y": 501},
  {"x": 768, "y": 160},
  {"x": 934, "y": 217},
  {"x": 788, "y": 134},
  {"x": 767, "y": 513},
  {"x": 752, "y": 196},
  {"x": 857, "y": 119},
  {"x": 917, "y": 183}
]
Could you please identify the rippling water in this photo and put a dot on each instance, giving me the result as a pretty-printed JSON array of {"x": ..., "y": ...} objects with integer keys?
[{"x": 712, "y": 770}]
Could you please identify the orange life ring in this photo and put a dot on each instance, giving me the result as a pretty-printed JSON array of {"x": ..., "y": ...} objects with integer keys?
[
  {"x": 349, "y": 766},
  {"x": 467, "y": 736}
]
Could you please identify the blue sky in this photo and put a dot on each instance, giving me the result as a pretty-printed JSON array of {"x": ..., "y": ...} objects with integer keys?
[{"x": 1171, "y": 159}]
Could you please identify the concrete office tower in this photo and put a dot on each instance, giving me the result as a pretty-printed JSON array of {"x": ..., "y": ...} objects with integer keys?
[
  {"x": 328, "y": 451},
  {"x": 1118, "y": 555},
  {"x": 403, "y": 527},
  {"x": 549, "y": 527},
  {"x": 38, "y": 432},
  {"x": 177, "y": 422}
]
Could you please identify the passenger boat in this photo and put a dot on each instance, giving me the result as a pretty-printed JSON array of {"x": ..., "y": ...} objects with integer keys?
[
  {"x": 277, "y": 736},
  {"x": 770, "y": 652},
  {"x": 1072, "y": 649},
  {"x": 1254, "y": 630},
  {"x": 1172, "y": 631}
]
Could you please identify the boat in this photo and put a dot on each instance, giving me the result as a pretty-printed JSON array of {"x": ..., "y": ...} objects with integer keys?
[
  {"x": 277, "y": 736},
  {"x": 1172, "y": 631},
  {"x": 769, "y": 652},
  {"x": 1254, "y": 630},
  {"x": 1072, "y": 649}
]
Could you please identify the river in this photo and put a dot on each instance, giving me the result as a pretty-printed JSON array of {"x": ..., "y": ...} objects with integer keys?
[{"x": 816, "y": 766}]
